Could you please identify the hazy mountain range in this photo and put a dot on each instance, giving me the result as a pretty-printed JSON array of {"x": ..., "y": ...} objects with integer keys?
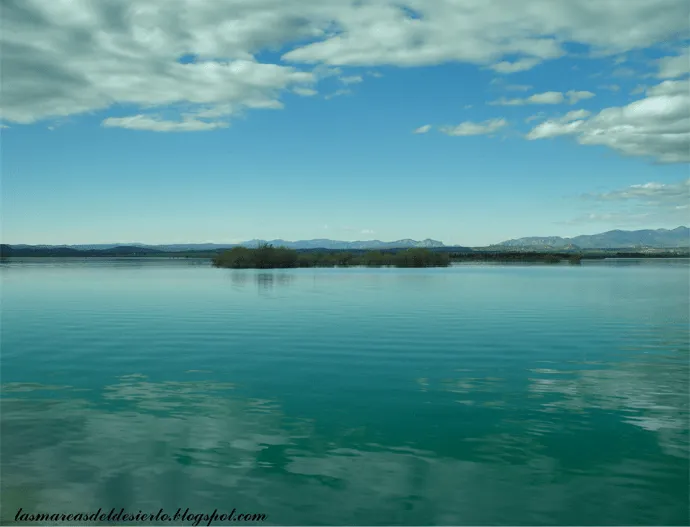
[
  {"x": 659, "y": 238},
  {"x": 300, "y": 244}
]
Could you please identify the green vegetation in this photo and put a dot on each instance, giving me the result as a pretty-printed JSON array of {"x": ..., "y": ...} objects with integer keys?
[
  {"x": 520, "y": 257},
  {"x": 266, "y": 256}
]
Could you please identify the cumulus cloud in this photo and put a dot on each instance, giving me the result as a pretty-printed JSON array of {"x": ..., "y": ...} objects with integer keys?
[
  {"x": 575, "y": 115},
  {"x": 144, "y": 122},
  {"x": 338, "y": 93},
  {"x": 549, "y": 97},
  {"x": 513, "y": 67},
  {"x": 423, "y": 129},
  {"x": 535, "y": 117},
  {"x": 487, "y": 32},
  {"x": 305, "y": 92},
  {"x": 657, "y": 126},
  {"x": 473, "y": 128},
  {"x": 576, "y": 96},
  {"x": 63, "y": 58},
  {"x": 353, "y": 79},
  {"x": 566, "y": 119},
  {"x": 675, "y": 66}
]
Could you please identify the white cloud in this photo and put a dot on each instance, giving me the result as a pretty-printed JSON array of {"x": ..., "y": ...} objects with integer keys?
[
  {"x": 353, "y": 79},
  {"x": 550, "y": 129},
  {"x": 62, "y": 58},
  {"x": 669, "y": 88},
  {"x": 668, "y": 195},
  {"x": 675, "y": 66},
  {"x": 576, "y": 96},
  {"x": 423, "y": 129},
  {"x": 610, "y": 87},
  {"x": 338, "y": 93},
  {"x": 366, "y": 231},
  {"x": 653, "y": 202},
  {"x": 144, "y": 122},
  {"x": 535, "y": 117},
  {"x": 550, "y": 97},
  {"x": 305, "y": 92},
  {"x": 513, "y": 67},
  {"x": 488, "y": 32},
  {"x": 575, "y": 115},
  {"x": 65, "y": 57},
  {"x": 472, "y": 128},
  {"x": 657, "y": 126}
]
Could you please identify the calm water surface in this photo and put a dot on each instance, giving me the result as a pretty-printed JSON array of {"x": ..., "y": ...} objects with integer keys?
[{"x": 473, "y": 395}]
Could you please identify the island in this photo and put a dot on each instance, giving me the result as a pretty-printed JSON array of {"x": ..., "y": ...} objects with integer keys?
[{"x": 265, "y": 256}]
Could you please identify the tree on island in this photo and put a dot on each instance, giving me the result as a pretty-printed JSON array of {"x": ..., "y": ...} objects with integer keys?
[{"x": 265, "y": 256}]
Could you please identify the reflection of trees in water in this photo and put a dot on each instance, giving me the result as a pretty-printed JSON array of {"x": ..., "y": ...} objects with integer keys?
[
  {"x": 265, "y": 281},
  {"x": 197, "y": 444}
]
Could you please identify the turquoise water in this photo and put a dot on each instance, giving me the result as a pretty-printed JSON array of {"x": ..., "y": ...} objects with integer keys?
[{"x": 473, "y": 395}]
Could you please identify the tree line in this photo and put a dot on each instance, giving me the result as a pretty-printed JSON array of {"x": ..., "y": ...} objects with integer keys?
[{"x": 265, "y": 256}]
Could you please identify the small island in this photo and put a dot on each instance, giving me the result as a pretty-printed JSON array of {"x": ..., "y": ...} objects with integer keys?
[{"x": 265, "y": 256}]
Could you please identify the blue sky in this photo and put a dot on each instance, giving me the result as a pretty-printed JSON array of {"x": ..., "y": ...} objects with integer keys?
[{"x": 466, "y": 122}]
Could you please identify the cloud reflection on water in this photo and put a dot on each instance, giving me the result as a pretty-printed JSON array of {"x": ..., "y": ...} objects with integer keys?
[{"x": 147, "y": 445}]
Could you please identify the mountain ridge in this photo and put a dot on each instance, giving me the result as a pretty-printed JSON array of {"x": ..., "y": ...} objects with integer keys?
[
  {"x": 614, "y": 239},
  {"x": 618, "y": 239},
  {"x": 318, "y": 243}
]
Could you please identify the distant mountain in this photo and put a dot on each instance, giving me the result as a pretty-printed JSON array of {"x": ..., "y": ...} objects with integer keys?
[
  {"x": 617, "y": 239},
  {"x": 300, "y": 244}
]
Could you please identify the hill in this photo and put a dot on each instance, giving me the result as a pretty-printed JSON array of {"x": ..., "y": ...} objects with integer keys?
[{"x": 616, "y": 239}]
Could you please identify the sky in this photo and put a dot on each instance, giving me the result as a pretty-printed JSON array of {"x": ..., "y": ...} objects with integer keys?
[{"x": 465, "y": 121}]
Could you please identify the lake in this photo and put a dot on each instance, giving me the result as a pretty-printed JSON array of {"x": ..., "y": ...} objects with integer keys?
[{"x": 469, "y": 395}]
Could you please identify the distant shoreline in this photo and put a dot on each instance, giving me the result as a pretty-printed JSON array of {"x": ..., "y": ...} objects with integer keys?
[{"x": 350, "y": 258}]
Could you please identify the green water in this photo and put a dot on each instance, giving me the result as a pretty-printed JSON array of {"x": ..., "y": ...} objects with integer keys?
[{"x": 473, "y": 395}]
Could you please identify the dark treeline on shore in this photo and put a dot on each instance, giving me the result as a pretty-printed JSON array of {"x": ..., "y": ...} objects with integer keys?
[
  {"x": 266, "y": 256},
  {"x": 269, "y": 257},
  {"x": 276, "y": 257}
]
